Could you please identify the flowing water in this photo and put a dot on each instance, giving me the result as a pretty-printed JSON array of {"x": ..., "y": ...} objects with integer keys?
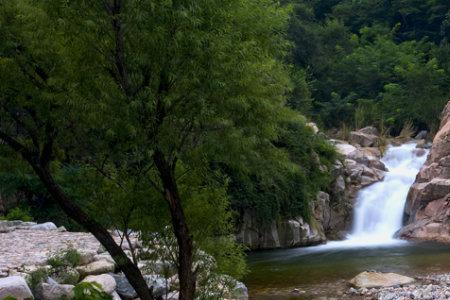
[{"x": 378, "y": 213}]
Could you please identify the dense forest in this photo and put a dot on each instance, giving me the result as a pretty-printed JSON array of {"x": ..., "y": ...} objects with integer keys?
[
  {"x": 379, "y": 62},
  {"x": 183, "y": 115}
]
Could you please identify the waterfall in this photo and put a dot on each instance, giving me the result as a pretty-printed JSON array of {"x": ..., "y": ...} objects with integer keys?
[{"x": 378, "y": 211}]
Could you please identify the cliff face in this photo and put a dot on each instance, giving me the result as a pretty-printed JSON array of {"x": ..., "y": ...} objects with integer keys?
[{"x": 427, "y": 211}]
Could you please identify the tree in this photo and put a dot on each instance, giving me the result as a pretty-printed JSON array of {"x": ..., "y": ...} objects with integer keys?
[
  {"x": 40, "y": 110},
  {"x": 153, "y": 90}
]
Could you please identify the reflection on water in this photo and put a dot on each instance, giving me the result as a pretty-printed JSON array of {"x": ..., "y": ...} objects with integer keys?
[{"x": 325, "y": 271}]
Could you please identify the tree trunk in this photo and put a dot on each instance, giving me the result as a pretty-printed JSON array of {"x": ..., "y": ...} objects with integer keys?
[
  {"x": 184, "y": 239},
  {"x": 130, "y": 270}
]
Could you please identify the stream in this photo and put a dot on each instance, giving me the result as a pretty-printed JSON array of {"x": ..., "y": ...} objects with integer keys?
[{"x": 314, "y": 272}]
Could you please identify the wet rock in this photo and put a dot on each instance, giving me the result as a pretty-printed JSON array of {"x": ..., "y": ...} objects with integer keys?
[
  {"x": 363, "y": 139},
  {"x": 422, "y": 135},
  {"x": 377, "y": 279},
  {"x": 15, "y": 286}
]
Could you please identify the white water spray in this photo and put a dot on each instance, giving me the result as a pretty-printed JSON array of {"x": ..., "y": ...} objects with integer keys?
[
  {"x": 378, "y": 211},
  {"x": 379, "y": 208}
]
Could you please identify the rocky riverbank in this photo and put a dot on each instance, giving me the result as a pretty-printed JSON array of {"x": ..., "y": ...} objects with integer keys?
[
  {"x": 431, "y": 287},
  {"x": 45, "y": 262}
]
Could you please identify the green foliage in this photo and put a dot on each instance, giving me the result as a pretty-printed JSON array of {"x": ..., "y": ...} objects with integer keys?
[
  {"x": 285, "y": 188},
  {"x": 62, "y": 266},
  {"x": 66, "y": 258},
  {"x": 36, "y": 277},
  {"x": 373, "y": 60},
  {"x": 90, "y": 291},
  {"x": 19, "y": 213}
]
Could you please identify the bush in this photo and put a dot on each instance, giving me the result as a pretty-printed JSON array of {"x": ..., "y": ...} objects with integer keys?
[
  {"x": 68, "y": 258},
  {"x": 63, "y": 264},
  {"x": 36, "y": 277},
  {"x": 19, "y": 213}
]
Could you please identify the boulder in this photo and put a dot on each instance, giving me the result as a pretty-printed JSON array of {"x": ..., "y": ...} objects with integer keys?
[
  {"x": 86, "y": 257},
  {"x": 96, "y": 268},
  {"x": 15, "y": 286},
  {"x": 106, "y": 281},
  {"x": 115, "y": 296},
  {"x": 44, "y": 226},
  {"x": 344, "y": 148},
  {"x": 422, "y": 135},
  {"x": 377, "y": 279},
  {"x": 369, "y": 130},
  {"x": 158, "y": 284},
  {"x": 363, "y": 139},
  {"x": 46, "y": 291}
]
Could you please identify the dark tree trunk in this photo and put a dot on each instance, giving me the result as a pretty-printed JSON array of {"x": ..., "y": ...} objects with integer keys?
[
  {"x": 184, "y": 239},
  {"x": 130, "y": 270}
]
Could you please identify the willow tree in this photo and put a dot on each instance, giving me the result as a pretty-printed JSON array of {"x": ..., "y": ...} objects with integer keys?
[{"x": 175, "y": 85}]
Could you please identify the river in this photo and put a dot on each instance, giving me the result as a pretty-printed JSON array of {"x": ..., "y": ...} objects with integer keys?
[{"x": 324, "y": 270}]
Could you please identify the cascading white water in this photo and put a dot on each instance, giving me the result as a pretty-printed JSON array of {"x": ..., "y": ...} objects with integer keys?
[
  {"x": 379, "y": 208},
  {"x": 378, "y": 211}
]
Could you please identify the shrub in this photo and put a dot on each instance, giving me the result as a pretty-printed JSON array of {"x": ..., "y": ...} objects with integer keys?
[
  {"x": 18, "y": 213},
  {"x": 68, "y": 258},
  {"x": 36, "y": 277},
  {"x": 62, "y": 266}
]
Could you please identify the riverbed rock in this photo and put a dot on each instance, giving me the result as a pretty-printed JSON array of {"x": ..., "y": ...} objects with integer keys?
[
  {"x": 427, "y": 210},
  {"x": 15, "y": 286},
  {"x": 96, "y": 267},
  {"x": 46, "y": 291},
  {"x": 378, "y": 279},
  {"x": 363, "y": 137},
  {"x": 106, "y": 282}
]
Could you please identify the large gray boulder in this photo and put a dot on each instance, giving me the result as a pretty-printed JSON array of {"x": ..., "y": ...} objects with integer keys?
[
  {"x": 377, "y": 279},
  {"x": 363, "y": 139},
  {"x": 106, "y": 282},
  {"x": 15, "y": 286},
  {"x": 96, "y": 268}
]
